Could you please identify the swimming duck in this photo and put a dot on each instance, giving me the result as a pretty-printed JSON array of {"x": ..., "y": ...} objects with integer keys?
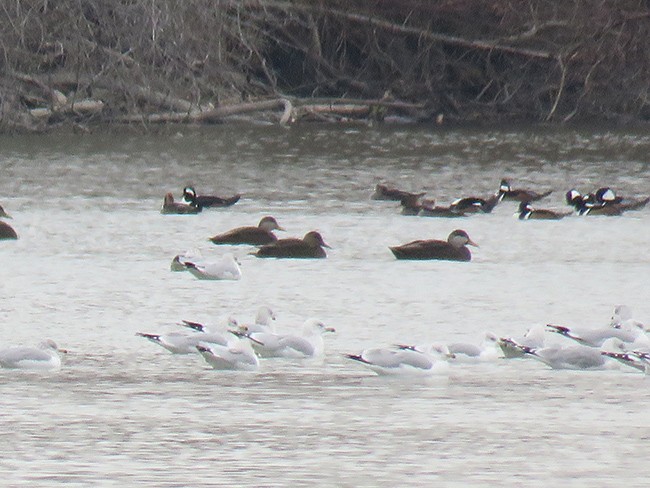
[
  {"x": 387, "y": 192},
  {"x": 6, "y": 231},
  {"x": 453, "y": 249},
  {"x": 587, "y": 205},
  {"x": 172, "y": 207},
  {"x": 412, "y": 204},
  {"x": 191, "y": 198},
  {"x": 602, "y": 202},
  {"x": 310, "y": 246},
  {"x": 255, "y": 236},
  {"x": 444, "y": 212},
  {"x": 520, "y": 195},
  {"x": 526, "y": 212},
  {"x": 475, "y": 204},
  {"x": 607, "y": 196}
]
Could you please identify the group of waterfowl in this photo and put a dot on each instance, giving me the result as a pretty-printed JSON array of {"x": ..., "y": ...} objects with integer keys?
[
  {"x": 623, "y": 341},
  {"x": 231, "y": 346},
  {"x": 240, "y": 347},
  {"x": 602, "y": 201}
]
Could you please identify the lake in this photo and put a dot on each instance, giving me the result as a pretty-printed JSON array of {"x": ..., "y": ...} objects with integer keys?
[{"x": 91, "y": 268}]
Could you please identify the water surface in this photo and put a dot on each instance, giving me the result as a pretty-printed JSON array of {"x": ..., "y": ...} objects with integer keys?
[{"x": 91, "y": 268}]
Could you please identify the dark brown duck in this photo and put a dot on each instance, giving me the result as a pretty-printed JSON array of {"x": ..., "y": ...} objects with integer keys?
[
  {"x": 6, "y": 231},
  {"x": 387, "y": 192},
  {"x": 254, "y": 236},
  {"x": 309, "y": 247},
  {"x": 453, "y": 249}
]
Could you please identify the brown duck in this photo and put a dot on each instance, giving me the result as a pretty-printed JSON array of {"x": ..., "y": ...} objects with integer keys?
[
  {"x": 310, "y": 246},
  {"x": 6, "y": 231},
  {"x": 387, "y": 192},
  {"x": 172, "y": 207},
  {"x": 453, "y": 249},
  {"x": 255, "y": 236}
]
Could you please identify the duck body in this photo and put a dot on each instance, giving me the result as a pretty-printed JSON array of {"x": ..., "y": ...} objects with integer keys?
[
  {"x": 476, "y": 204},
  {"x": 309, "y": 247},
  {"x": 453, "y": 249},
  {"x": 171, "y": 207},
  {"x": 254, "y": 236},
  {"x": 442, "y": 212},
  {"x": 413, "y": 204},
  {"x": 190, "y": 197},
  {"x": 7, "y": 231},
  {"x": 520, "y": 195},
  {"x": 387, "y": 192},
  {"x": 527, "y": 212}
]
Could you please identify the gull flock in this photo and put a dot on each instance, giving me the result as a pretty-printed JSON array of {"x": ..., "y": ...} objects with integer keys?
[{"x": 622, "y": 344}]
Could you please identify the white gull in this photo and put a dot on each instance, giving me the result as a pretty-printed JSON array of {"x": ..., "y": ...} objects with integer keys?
[{"x": 44, "y": 357}]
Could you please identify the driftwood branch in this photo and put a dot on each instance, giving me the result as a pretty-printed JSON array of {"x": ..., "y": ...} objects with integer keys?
[{"x": 485, "y": 45}]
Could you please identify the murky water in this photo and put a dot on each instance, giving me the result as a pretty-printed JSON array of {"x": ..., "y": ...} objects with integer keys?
[{"x": 91, "y": 269}]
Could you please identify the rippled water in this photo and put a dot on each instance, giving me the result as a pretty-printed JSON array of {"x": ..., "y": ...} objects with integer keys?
[{"x": 91, "y": 269}]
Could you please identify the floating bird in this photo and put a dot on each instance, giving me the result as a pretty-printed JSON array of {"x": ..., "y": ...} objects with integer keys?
[
  {"x": 467, "y": 352},
  {"x": 310, "y": 246},
  {"x": 6, "y": 231},
  {"x": 603, "y": 202},
  {"x": 607, "y": 196},
  {"x": 191, "y": 198},
  {"x": 227, "y": 268},
  {"x": 453, "y": 249},
  {"x": 520, "y": 195},
  {"x": 309, "y": 344},
  {"x": 387, "y": 192},
  {"x": 475, "y": 204},
  {"x": 571, "y": 357},
  {"x": 404, "y": 360},
  {"x": 172, "y": 207},
  {"x": 236, "y": 355},
  {"x": 254, "y": 236},
  {"x": 527, "y": 212},
  {"x": 442, "y": 212},
  {"x": 412, "y": 204},
  {"x": 186, "y": 342},
  {"x": 513, "y": 347},
  {"x": 44, "y": 357},
  {"x": 263, "y": 321},
  {"x": 178, "y": 263},
  {"x": 174, "y": 342},
  {"x": 594, "y": 337}
]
